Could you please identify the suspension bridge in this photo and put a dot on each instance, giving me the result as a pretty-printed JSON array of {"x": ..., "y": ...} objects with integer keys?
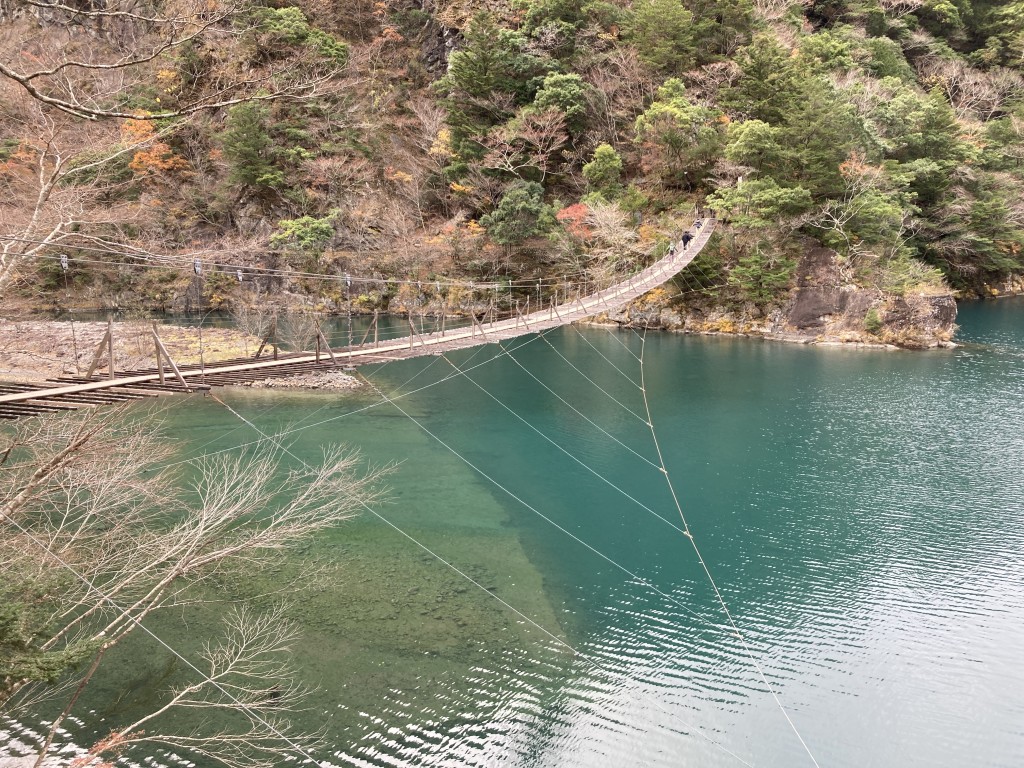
[{"x": 19, "y": 400}]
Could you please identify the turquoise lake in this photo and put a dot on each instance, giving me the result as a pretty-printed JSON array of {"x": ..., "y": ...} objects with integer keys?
[{"x": 526, "y": 596}]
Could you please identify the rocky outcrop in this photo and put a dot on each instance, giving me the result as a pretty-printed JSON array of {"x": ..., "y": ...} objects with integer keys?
[{"x": 823, "y": 307}]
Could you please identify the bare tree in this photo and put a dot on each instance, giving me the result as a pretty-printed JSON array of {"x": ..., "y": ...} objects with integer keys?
[
  {"x": 58, "y": 190},
  {"x": 900, "y": 8},
  {"x": 95, "y": 536},
  {"x": 299, "y": 328},
  {"x": 531, "y": 143},
  {"x": 615, "y": 247},
  {"x": 973, "y": 94},
  {"x": 72, "y": 78},
  {"x": 253, "y": 318},
  {"x": 109, "y": 49}
]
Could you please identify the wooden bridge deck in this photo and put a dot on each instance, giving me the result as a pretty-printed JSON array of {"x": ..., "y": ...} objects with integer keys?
[{"x": 18, "y": 400}]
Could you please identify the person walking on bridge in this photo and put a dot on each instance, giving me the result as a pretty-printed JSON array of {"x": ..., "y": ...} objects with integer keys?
[{"x": 687, "y": 237}]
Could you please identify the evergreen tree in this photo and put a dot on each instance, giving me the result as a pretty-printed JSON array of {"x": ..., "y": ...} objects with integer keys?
[
  {"x": 567, "y": 94},
  {"x": 491, "y": 73},
  {"x": 755, "y": 144},
  {"x": 679, "y": 139},
  {"x": 249, "y": 148},
  {"x": 821, "y": 131},
  {"x": 770, "y": 84},
  {"x": 521, "y": 213},
  {"x": 662, "y": 31},
  {"x": 604, "y": 170}
]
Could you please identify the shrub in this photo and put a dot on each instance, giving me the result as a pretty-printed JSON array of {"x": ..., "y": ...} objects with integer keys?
[
  {"x": 604, "y": 170},
  {"x": 873, "y": 321}
]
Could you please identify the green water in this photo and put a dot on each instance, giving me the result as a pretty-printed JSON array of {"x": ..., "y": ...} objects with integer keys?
[{"x": 859, "y": 510}]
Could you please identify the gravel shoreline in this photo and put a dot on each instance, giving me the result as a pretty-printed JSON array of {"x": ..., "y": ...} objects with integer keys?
[{"x": 320, "y": 380}]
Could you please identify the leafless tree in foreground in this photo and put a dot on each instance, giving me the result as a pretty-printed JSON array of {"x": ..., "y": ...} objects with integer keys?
[{"x": 95, "y": 536}]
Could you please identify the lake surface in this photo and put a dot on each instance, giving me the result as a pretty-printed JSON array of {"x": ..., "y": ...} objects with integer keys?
[{"x": 860, "y": 511}]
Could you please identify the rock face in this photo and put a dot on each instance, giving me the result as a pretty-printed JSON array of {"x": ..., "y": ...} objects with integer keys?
[{"x": 824, "y": 307}]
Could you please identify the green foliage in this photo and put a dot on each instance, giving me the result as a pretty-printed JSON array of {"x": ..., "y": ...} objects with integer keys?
[
  {"x": 821, "y": 132},
  {"x": 873, "y": 321},
  {"x": 23, "y": 620},
  {"x": 680, "y": 139},
  {"x": 761, "y": 203},
  {"x": 827, "y": 50},
  {"x": 719, "y": 27},
  {"x": 521, "y": 213},
  {"x": 567, "y": 94},
  {"x": 1005, "y": 143},
  {"x": 760, "y": 278},
  {"x": 604, "y": 171},
  {"x": 249, "y": 149},
  {"x": 559, "y": 23},
  {"x": 705, "y": 271},
  {"x": 8, "y": 147},
  {"x": 306, "y": 233},
  {"x": 633, "y": 200},
  {"x": 887, "y": 59},
  {"x": 905, "y": 275},
  {"x": 756, "y": 144},
  {"x": 662, "y": 31},
  {"x": 947, "y": 11},
  {"x": 491, "y": 72},
  {"x": 997, "y": 242},
  {"x": 875, "y": 22},
  {"x": 769, "y": 84},
  {"x": 279, "y": 28}
]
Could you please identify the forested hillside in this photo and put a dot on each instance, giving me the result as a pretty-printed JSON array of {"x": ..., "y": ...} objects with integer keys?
[{"x": 511, "y": 139}]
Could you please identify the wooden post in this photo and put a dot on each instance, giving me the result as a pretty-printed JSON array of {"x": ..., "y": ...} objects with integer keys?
[
  {"x": 263, "y": 343},
  {"x": 522, "y": 317},
  {"x": 170, "y": 361},
  {"x": 444, "y": 312},
  {"x": 110, "y": 347},
  {"x": 366, "y": 335},
  {"x": 321, "y": 338},
  {"x": 375, "y": 328},
  {"x": 98, "y": 355},
  {"x": 156, "y": 346},
  {"x": 202, "y": 357}
]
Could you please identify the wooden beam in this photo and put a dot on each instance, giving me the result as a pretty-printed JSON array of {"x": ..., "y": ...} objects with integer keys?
[
  {"x": 321, "y": 338},
  {"x": 170, "y": 361},
  {"x": 110, "y": 347},
  {"x": 104, "y": 344}
]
